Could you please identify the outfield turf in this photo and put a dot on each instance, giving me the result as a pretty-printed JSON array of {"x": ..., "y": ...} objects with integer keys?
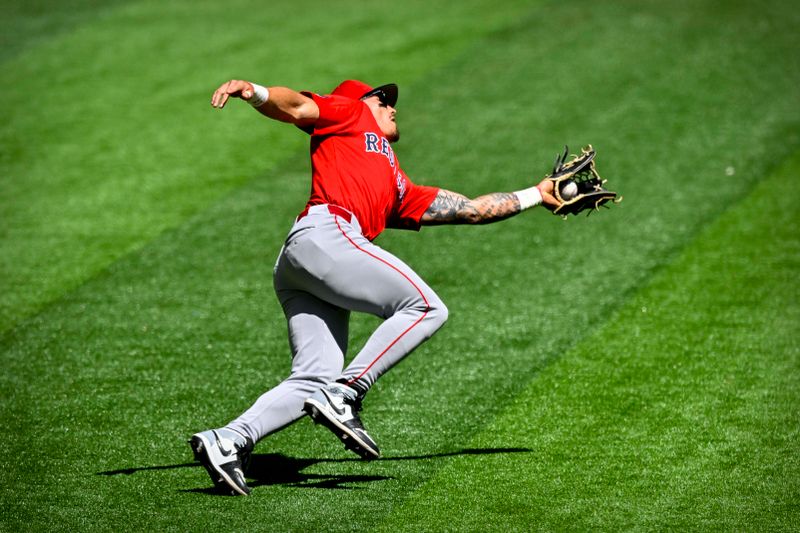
[{"x": 639, "y": 369}]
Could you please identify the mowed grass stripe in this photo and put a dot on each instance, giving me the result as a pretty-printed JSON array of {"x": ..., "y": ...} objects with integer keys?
[
  {"x": 107, "y": 134},
  {"x": 26, "y": 24},
  {"x": 682, "y": 412}
]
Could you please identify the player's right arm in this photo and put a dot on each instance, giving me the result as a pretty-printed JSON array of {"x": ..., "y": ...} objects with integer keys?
[{"x": 283, "y": 104}]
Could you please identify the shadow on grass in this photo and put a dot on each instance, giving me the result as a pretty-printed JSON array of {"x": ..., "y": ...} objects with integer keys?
[{"x": 278, "y": 469}]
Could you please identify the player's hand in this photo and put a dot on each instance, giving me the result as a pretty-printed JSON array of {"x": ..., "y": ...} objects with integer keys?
[
  {"x": 236, "y": 88},
  {"x": 549, "y": 201}
]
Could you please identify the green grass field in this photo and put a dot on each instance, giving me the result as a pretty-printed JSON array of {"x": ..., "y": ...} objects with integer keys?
[{"x": 635, "y": 370}]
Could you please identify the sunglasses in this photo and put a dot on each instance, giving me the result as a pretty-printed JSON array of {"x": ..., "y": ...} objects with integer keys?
[{"x": 382, "y": 96}]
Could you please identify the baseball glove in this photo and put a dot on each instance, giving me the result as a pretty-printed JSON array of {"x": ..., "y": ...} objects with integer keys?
[{"x": 577, "y": 185}]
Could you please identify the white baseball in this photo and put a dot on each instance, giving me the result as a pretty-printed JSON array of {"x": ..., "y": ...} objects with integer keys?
[{"x": 569, "y": 190}]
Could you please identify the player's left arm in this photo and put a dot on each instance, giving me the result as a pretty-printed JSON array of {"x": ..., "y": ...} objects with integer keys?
[{"x": 453, "y": 208}]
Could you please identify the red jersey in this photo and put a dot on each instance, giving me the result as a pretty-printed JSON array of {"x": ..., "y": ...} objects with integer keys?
[{"x": 353, "y": 166}]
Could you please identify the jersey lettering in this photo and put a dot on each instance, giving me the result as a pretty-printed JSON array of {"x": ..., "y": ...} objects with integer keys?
[
  {"x": 378, "y": 145},
  {"x": 372, "y": 142},
  {"x": 401, "y": 186}
]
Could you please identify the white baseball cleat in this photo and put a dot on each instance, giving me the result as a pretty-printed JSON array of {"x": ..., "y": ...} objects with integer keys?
[
  {"x": 225, "y": 454},
  {"x": 336, "y": 407}
]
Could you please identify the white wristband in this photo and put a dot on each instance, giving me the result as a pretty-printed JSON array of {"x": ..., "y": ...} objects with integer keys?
[
  {"x": 530, "y": 197},
  {"x": 260, "y": 95}
]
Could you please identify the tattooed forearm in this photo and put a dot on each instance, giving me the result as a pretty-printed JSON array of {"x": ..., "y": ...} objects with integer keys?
[
  {"x": 495, "y": 206},
  {"x": 445, "y": 207},
  {"x": 454, "y": 208}
]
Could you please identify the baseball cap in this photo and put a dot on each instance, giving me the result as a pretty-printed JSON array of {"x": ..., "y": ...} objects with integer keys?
[{"x": 358, "y": 89}]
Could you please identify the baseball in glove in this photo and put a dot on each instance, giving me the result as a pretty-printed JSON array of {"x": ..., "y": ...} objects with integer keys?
[{"x": 577, "y": 185}]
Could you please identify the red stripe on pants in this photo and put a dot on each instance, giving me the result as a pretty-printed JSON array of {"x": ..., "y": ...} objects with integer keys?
[{"x": 420, "y": 319}]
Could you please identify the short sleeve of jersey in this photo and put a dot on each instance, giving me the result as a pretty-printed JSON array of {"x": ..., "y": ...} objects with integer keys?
[
  {"x": 337, "y": 114},
  {"x": 417, "y": 200}
]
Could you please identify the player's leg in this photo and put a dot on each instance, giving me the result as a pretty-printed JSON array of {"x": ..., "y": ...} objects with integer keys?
[
  {"x": 318, "y": 340},
  {"x": 340, "y": 266},
  {"x": 413, "y": 313},
  {"x": 367, "y": 278}
]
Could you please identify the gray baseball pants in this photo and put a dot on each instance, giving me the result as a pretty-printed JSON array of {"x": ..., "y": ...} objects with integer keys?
[{"x": 326, "y": 269}]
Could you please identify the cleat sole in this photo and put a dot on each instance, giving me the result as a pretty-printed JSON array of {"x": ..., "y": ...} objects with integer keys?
[{"x": 351, "y": 442}]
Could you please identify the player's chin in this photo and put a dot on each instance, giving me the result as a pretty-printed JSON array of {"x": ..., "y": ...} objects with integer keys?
[{"x": 394, "y": 136}]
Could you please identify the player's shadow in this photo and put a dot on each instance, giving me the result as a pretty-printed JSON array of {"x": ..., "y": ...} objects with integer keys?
[{"x": 278, "y": 469}]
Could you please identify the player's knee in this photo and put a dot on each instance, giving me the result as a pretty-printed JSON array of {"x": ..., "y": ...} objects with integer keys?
[{"x": 437, "y": 313}]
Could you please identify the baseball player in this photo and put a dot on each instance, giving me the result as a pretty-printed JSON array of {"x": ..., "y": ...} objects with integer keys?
[{"x": 329, "y": 266}]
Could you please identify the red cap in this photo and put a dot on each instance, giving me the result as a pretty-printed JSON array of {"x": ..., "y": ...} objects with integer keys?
[
  {"x": 358, "y": 89},
  {"x": 353, "y": 89}
]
